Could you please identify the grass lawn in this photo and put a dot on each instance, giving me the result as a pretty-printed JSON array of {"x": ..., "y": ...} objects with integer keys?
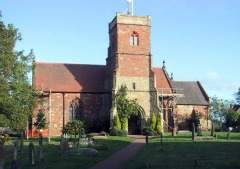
[
  {"x": 54, "y": 160},
  {"x": 181, "y": 153}
]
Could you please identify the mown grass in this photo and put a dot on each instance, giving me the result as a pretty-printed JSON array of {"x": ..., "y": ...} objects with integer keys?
[
  {"x": 54, "y": 160},
  {"x": 181, "y": 153}
]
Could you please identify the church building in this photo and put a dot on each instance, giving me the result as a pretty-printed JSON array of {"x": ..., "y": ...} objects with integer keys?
[{"x": 87, "y": 92}]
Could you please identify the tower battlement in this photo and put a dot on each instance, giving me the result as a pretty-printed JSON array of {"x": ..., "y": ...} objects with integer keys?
[{"x": 130, "y": 20}]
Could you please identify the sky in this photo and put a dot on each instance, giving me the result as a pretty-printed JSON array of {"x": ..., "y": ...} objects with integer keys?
[{"x": 198, "y": 39}]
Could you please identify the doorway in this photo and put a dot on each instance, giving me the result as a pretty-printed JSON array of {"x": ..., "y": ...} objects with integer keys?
[{"x": 134, "y": 125}]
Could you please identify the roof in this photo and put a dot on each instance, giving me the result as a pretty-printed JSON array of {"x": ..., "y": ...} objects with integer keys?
[
  {"x": 163, "y": 84},
  {"x": 194, "y": 94},
  {"x": 60, "y": 77}
]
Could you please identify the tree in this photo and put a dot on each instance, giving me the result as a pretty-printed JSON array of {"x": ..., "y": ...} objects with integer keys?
[
  {"x": 219, "y": 108},
  {"x": 238, "y": 96},
  {"x": 17, "y": 97},
  {"x": 232, "y": 118},
  {"x": 75, "y": 128},
  {"x": 153, "y": 121},
  {"x": 41, "y": 121},
  {"x": 159, "y": 125}
]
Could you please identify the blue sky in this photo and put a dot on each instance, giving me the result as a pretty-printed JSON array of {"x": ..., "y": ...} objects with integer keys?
[{"x": 199, "y": 39}]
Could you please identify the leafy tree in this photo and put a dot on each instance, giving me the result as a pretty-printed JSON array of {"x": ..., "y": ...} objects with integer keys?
[
  {"x": 232, "y": 118},
  {"x": 17, "y": 97},
  {"x": 41, "y": 121},
  {"x": 75, "y": 127},
  {"x": 219, "y": 108},
  {"x": 238, "y": 96},
  {"x": 126, "y": 107}
]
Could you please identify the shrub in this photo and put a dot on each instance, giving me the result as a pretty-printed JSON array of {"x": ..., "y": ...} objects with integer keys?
[
  {"x": 153, "y": 121},
  {"x": 74, "y": 127},
  {"x": 159, "y": 126},
  {"x": 117, "y": 122},
  {"x": 125, "y": 124},
  {"x": 118, "y": 132}
]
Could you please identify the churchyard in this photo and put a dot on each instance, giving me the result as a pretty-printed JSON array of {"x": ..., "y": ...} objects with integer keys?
[
  {"x": 55, "y": 158},
  {"x": 179, "y": 152}
]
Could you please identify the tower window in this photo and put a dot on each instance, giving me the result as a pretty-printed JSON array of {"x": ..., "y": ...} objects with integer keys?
[{"x": 134, "y": 39}]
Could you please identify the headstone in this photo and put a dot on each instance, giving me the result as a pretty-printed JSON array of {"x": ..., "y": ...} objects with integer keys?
[
  {"x": 40, "y": 155},
  {"x": 21, "y": 142},
  {"x": 15, "y": 150},
  {"x": 1, "y": 155},
  {"x": 161, "y": 138},
  {"x": 146, "y": 139},
  {"x": 193, "y": 132},
  {"x": 31, "y": 153},
  {"x": 14, "y": 164},
  {"x": 212, "y": 129},
  {"x": 64, "y": 147}
]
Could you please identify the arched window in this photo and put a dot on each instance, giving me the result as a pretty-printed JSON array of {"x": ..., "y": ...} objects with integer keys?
[
  {"x": 134, "y": 39},
  {"x": 75, "y": 109}
]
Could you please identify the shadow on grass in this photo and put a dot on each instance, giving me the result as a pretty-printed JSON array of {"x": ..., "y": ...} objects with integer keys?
[
  {"x": 53, "y": 159},
  {"x": 188, "y": 155}
]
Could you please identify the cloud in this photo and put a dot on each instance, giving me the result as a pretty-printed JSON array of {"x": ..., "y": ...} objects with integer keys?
[
  {"x": 215, "y": 84},
  {"x": 212, "y": 75}
]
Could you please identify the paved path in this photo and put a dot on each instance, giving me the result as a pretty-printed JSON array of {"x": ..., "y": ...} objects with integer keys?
[{"x": 119, "y": 158}]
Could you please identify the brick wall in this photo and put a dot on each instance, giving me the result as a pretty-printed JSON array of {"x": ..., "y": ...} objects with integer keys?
[
  {"x": 95, "y": 111},
  {"x": 184, "y": 112}
]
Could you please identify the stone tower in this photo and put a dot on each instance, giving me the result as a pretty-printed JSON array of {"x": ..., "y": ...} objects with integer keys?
[{"x": 129, "y": 58}]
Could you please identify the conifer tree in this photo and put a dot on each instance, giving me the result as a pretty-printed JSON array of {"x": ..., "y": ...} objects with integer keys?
[
  {"x": 159, "y": 126},
  {"x": 153, "y": 121}
]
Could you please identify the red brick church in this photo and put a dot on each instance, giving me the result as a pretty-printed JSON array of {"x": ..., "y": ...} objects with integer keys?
[{"x": 86, "y": 92}]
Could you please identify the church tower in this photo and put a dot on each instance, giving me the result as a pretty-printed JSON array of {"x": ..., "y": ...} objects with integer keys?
[{"x": 129, "y": 58}]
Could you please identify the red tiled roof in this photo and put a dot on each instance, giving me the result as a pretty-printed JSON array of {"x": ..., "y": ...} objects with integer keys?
[
  {"x": 162, "y": 82},
  {"x": 69, "y": 77}
]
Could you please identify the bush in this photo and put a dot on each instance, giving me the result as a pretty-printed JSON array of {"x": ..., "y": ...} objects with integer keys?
[
  {"x": 125, "y": 124},
  {"x": 159, "y": 126},
  {"x": 117, "y": 122},
  {"x": 75, "y": 127},
  {"x": 118, "y": 132},
  {"x": 148, "y": 131},
  {"x": 153, "y": 121}
]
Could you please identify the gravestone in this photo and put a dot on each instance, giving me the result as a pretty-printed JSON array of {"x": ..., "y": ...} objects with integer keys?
[
  {"x": 31, "y": 153},
  {"x": 1, "y": 155}
]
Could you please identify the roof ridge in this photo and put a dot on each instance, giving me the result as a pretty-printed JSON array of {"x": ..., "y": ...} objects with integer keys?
[
  {"x": 59, "y": 63},
  {"x": 184, "y": 81}
]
